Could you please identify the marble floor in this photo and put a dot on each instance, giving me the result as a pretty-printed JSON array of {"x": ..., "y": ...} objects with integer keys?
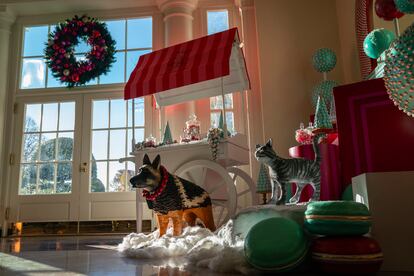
[{"x": 87, "y": 255}]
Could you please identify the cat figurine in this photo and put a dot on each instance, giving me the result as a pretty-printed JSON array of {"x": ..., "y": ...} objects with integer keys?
[{"x": 283, "y": 171}]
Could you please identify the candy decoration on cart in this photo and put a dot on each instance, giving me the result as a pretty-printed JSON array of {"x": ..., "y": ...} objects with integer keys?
[
  {"x": 324, "y": 60},
  {"x": 303, "y": 135},
  {"x": 377, "y": 41},
  {"x": 192, "y": 130},
  {"x": 167, "y": 139},
  {"x": 59, "y": 52},
  {"x": 405, "y": 6},
  {"x": 398, "y": 72},
  {"x": 213, "y": 138},
  {"x": 263, "y": 185}
]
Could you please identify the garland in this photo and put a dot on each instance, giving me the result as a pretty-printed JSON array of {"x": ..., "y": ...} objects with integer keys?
[
  {"x": 153, "y": 195},
  {"x": 60, "y": 47},
  {"x": 213, "y": 138}
]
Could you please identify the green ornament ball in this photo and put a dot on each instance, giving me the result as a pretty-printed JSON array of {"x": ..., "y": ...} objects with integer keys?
[
  {"x": 398, "y": 72},
  {"x": 377, "y": 41},
  {"x": 276, "y": 244},
  {"x": 405, "y": 6},
  {"x": 325, "y": 90},
  {"x": 324, "y": 60}
]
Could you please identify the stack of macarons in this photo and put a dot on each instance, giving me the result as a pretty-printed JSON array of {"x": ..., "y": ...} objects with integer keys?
[{"x": 340, "y": 246}]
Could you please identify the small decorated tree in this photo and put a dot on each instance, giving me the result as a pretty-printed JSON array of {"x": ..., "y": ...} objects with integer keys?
[
  {"x": 221, "y": 125},
  {"x": 322, "y": 117},
  {"x": 263, "y": 182},
  {"x": 167, "y": 139}
]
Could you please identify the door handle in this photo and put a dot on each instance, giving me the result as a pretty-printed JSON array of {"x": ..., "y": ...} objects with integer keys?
[{"x": 83, "y": 168}]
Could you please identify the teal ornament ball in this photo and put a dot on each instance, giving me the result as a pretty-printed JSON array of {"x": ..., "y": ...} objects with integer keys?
[
  {"x": 377, "y": 42},
  {"x": 405, "y": 6},
  {"x": 398, "y": 72},
  {"x": 324, "y": 60},
  {"x": 325, "y": 90}
]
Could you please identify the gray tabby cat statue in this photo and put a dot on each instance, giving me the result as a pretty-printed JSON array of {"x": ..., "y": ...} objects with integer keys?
[{"x": 283, "y": 171}]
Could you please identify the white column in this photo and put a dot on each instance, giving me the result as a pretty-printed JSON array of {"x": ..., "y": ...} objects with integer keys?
[
  {"x": 247, "y": 28},
  {"x": 178, "y": 26},
  {"x": 6, "y": 21}
]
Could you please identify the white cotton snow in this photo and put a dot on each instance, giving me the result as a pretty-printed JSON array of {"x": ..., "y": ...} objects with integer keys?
[{"x": 220, "y": 251}]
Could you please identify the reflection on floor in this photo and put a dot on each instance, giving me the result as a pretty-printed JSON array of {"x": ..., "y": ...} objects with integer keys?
[{"x": 88, "y": 255}]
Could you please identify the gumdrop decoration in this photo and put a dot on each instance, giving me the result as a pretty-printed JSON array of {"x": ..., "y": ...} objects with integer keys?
[
  {"x": 377, "y": 42},
  {"x": 167, "y": 139},
  {"x": 324, "y": 60},
  {"x": 322, "y": 118},
  {"x": 213, "y": 138},
  {"x": 405, "y": 6},
  {"x": 398, "y": 72},
  {"x": 325, "y": 90}
]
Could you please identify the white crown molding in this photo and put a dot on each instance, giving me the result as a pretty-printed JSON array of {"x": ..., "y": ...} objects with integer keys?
[
  {"x": 7, "y": 18},
  {"x": 177, "y": 6}
]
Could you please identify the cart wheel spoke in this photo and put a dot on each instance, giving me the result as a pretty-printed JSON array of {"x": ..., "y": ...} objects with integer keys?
[
  {"x": 219, "y": 202},
  {"x": 244, "y": 192},
  {"x": 216, "y": 187}
]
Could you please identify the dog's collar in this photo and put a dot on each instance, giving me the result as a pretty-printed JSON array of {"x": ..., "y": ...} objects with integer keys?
[{"x": 153, "y": 195}]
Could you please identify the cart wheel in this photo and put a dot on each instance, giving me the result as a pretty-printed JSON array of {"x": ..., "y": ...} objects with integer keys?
[
  {"x": 216, "y": 180},
  {"x": 246, "y": 195}
]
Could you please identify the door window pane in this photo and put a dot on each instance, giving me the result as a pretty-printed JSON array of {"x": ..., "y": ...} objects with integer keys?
[
  {"x": 100, "y": 114},
  {"x": 33, "y": 73},
  {"x": 117, "y": 30},
  {"x": 139, "y": 33},
  {"x": 47, "y": 151},
  {"x": 114, "y": 142},
  {"x": 217, "y": 21},
  {"x": 34, "y": 40},
  {"x": 116, "y": 73}
]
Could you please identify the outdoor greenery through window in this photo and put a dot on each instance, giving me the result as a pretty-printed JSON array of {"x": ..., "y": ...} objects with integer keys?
[
  {"x": 218, "y": 21},
  {"x": 46, "y": 161},
  {"x": 111, "y": 140},
  {"x": 133, "y": 38}
]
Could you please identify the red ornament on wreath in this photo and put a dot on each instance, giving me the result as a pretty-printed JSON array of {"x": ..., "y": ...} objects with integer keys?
[
  {"x": 60, "y": 56},
  {"x": 387, "y": 10}
]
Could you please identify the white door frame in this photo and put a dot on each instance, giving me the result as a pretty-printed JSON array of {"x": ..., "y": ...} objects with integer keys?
[{"x": 52, "y": 207}]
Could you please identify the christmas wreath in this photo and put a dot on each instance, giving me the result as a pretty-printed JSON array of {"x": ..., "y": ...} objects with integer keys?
[{"x": 60, "y": 56}]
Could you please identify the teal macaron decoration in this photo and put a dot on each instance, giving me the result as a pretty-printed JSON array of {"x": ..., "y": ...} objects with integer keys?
[
  {"x": 324, "y": 60},
  {"x": 276, "y": 244},
  {"x": 324, "y": 89},
  {"x": 377, "y": 41},
  {"x": 405, "y": 6},
  {"x": 337, "y": 218}
]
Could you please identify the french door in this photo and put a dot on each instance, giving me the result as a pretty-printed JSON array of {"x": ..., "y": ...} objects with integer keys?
[{"x": 66, "y": 158}]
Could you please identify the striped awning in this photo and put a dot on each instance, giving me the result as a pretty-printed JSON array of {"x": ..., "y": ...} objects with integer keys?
[{"x": 191, "y": 70}]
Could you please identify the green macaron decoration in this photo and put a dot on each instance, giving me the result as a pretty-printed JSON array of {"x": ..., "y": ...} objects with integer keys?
[
  {"x": 276, "y": 244},
  {"x": 337, "y": 218}
]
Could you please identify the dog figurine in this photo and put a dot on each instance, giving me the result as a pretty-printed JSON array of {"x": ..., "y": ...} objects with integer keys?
[{"x": 172, "y": 197}]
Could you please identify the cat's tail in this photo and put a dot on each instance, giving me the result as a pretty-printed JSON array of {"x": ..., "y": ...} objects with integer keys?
[{"x": 318, "y": 157}]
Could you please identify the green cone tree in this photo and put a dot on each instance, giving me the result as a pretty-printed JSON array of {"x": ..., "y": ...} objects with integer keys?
[
  {"x": 167, "y": 139},
  {"x": 322, "y": 117}
]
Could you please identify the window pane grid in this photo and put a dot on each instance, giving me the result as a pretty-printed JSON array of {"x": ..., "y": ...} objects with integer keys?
[
  {"x": 44, "y": 167},
  {"x": 111, "y": 136},
  {"x": 35, "y": 74}
]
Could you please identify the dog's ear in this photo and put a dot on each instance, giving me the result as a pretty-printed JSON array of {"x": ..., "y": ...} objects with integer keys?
[
  {"x": 157, "y": 162},
  {"x": 146, "y": 160}
]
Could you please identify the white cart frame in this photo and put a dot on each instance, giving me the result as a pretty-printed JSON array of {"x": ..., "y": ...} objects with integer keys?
[{"x": 225, "y": 182}]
